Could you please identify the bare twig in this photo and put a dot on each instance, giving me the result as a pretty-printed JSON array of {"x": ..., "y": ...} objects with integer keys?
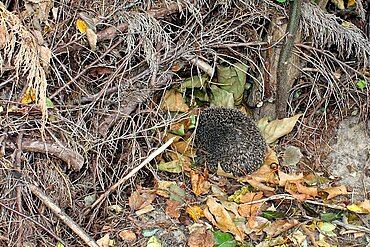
[
  {"x": 62, "y": 215},
  {"x": 73, "y": 159},
  {"x": 35, "y": 222},
  {"x": 135, "y": 170}
]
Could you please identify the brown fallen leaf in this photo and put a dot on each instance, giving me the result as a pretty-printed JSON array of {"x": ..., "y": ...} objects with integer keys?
[
  {"x": 173, "y": 101},
  {"x": 184, "y": 148},
  {"x": 280, "y": 226},
  {"x": 336, "y": 191},
  {"x": 138, "y": 201},
  {"x": 292, "y": 188},
  {"x": 283, "y": 177},
  {"x": 220, "y": 218},
  {"x": 127, "y": 235},
  {"x": 250, "y": 210},
  {"x": 199, "y": 183},
  {"x": 173, "y": 209},
  {"x": 200, "y": 236},
  {"x": 144, "y": 210}
]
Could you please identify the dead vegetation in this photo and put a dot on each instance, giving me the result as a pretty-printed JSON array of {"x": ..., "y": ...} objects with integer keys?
[{"x": 82, "y": 105}]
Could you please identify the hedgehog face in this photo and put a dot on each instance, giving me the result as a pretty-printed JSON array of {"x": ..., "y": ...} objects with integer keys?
[{"x": 229, "y": 138}]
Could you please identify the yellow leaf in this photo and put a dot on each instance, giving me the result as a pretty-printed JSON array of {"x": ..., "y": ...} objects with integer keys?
[
  {"x": 351, "y": 3},
  {"x": 195, "y": 212},
  {"x": 29, "y": 96},
  {"x": 81, "y": 25},
  {"x": 361, "y": 208}
]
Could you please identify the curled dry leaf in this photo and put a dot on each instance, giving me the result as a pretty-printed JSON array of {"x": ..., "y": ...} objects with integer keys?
[
  {"x": 200, "y": 236},
  {"x": 273, "y": 130},
  {"x": 184, "y": 148},
  {"x": 127, "y": 235},
  {"x": 336, "y": 191},
  {"x": 294, "y": 188},
  {"x": 173, "y": 209},
  {"x": 220, "y": 218},
  {"x": 199, "y": 183}
]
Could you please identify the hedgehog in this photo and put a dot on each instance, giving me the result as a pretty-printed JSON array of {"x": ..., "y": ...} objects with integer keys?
[{"x": 230, "y": 139}]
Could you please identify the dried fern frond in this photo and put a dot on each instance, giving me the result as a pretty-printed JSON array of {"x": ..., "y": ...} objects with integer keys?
[
  {"x": 326, "y": 30},
  {"x": 146, "y": 30},
  {"x": 19, "y": 50}
]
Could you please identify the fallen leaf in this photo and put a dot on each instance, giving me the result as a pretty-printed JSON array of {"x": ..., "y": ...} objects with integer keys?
[
  {"x": 360, "y": 208},
  {"x": 92, "y": 38},
  {"x": 173, "y": 166},
  {"x": 81, "y": 26},
  {"x": 104, "y": 241},
  {"x": 224, "y": 239},
  {"x": 29, "y": 96},
  {"x": 163, "y": 188},
  {"x": 250, "y": 210},
  {"x": 199, "y": 235},
  {"x": 222, "y": 97},
  {"x": 177, "y": 193},
  {"x": 173, "y": 101},
  {"x": 154, "y": 242},
  {"x": 173, "y": 209},
  {"x": 138, "y": 201},
  {"x": 127, "y": 235},
  {"x": 117, "y": 209},
  {"x": 199, "y": 183},
  {"x": 195, "y": 212},
  {"x": 284, "y": 178},
  {"x": 292, "y": 156},
  {"x": 233, "y": 80},
  {"x": 220, "y": 218},
  {"x": 280, "y": 226},
  {"x": 327, "y": 228},
  {"x": 275, "y": 129},
  {"x": 335, "y": 191},
  {"x": 184, "y": 148},
  {"x": 144, "y": 210}
]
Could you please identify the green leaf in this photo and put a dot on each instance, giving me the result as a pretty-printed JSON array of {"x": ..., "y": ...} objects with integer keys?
[
  {"x": 193, "y": 82},
  {"x": 59, "y": 244},
  {"x": 176, "y": 193},
  {"x": 49, "y": 103},
  {"x": 273, "y": 215},
  {"x": 222, "y": 97},
  {"x": 193, "y": 122},
  {"x": 361, "y": 84},
  {"x": 172, "y": 166},
  {"x": 150, "y": 232},
  {"x": 233, "y": 79},
  {"x": 223, "y": 239},
  {"x": 180, "y": 131},
  {"x": 281, "y": 1},
  {"x": 329, "y": 217},
  {"x": 154, "y": 242}
]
